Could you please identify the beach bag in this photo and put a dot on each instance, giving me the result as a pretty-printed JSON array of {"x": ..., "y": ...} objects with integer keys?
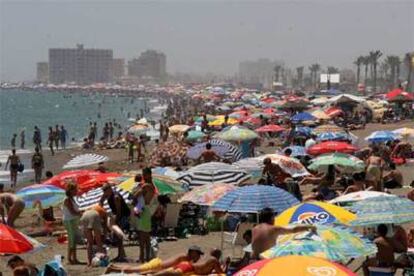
[
  {"x": 53, "y": 268},
  {"x": 20, "y": 167}
]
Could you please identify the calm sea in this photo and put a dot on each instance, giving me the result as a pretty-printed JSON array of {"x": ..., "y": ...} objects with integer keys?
[{"x": 25, "y": 109}]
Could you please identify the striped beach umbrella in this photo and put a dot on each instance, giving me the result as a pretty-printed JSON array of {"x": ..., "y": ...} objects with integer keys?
[
  {"x": 252, "y": 199},
  {"x": 92, "y": 198},
  {"x": 382, "y": 136},
  {"x": 213, "y": 173},
  {"x": 220, "y": 147},
  {"x": 387, "y": 210},
  {"x": 345, "y": 161},
  {"x": 84, "y": 160},
  {"x": 295, "y": 265}
]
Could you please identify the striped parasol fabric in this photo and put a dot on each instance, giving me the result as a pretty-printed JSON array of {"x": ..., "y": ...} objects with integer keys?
[
  {"x": 93, "y": 196},
  {"x": 84, "y": 160},
  {"x": 213, "y": 172},
  {"x": 222, "y": 149}
]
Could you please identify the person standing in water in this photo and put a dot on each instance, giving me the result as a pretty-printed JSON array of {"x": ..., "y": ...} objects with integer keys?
[
  {"x": 38, "y": 165},
  {"x": 14, "y": 162},
  {"x": 51, "y": 139},
  {"x": 63, "y": 136},
  {"x": 22, "y": 139},
  {"x": 37, "y": 138},
  {"x": 13, "y": 141},
  {"x": 57, "y": 137}
]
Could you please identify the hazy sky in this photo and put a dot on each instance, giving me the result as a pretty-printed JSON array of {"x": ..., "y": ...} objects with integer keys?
[{"x": 205, "y": 36}]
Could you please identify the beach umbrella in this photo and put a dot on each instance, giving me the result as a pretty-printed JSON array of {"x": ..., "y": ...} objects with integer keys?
[
  {"x": 251, "y": 121},
  {"x": 381, "y": 136},
  {"x": 13, "y": 242},
  {"x": 358, "y": 196},
  {"x": 295, "y": 265},
  {"x": 314, "y": 212},
  {"x": 387, "y": 210},
  {"x": 303, "y": 116},
  {"x": 334, "y": 243},
  {"x": 334, "y": 111},
  {"x": 76, "y": 176},
  {"x": 213, "y": 173},
  {"x": 289, "y": 165},
  {"x": 178, "y": 129},
  {"x": 97, "y": 181},
  {"x": 164, "y": 185},
  {"x": 398, "y": 95},
  {"x": 327, "y": 128},
  {"x": 206, "y": 195},
  {"x": 171, "y": 152},
  {"x": 261, "y": 114},
  {"x": 167, "y": 171},
  {"x": 252, "y": 166},
  {"x": 252, "y": 199},
  {"x": 269, "y": 128},
  {"x": 345, "y": 161},
  {"x": 93, "y": 197},
  {"x": 47, "y": 195},
  {"x": 223, "y": 149},
  {"x": 237, "y": 134},
  {"x": 194, "y": 135},
  {"x": 331, "y": 136},
  {"x": 220, "y": 121},
  {"x": 84, "y": 160},
  {"x": 405, "y": 132},
  {"x": 320, "y": 115},
  {"x": 297, "y": 151},
  {"x": 331, "y": 146},
  {"x": 303, "y": 130},
  {"x": 138, "y": 128}
]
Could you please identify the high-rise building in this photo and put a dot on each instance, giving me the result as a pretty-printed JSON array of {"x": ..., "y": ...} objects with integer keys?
[
  {"x": 42, "y": 72},
  {"x": 150, "y": 64},
  {"x": 80, "y": 65},
  {"x": 118, "y": 68}
]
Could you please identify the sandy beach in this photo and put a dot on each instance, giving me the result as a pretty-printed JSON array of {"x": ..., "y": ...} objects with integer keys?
[{"x": 167, "y": 249}]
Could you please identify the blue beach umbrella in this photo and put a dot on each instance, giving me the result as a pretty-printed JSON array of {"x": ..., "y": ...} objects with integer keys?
[
  {"x": 252, "y": 199},
  {"x": 297, "y": 151},
  {"x": 303, "y": 116},
  {"x": 381, "y": 136},
  {"x": 331, "y": 136},
  {"x": 47, "y": 195},
  {"x": 378, "y": 210}
]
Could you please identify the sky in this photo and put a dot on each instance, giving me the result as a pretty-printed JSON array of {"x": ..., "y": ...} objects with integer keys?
[{"x": 205, "y": 36}]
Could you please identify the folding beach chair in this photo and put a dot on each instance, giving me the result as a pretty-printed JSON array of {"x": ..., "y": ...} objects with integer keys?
[{"x": 236, "y": 238}]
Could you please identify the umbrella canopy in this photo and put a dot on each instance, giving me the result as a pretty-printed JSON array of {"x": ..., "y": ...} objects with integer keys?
[
  {"x": 213, "y": 173},
  {"x": 381, "y": 136},
  {"x": 92, "y": 198},
  {"x": 138, "y": 128},
  {"x": 330, "y": 136},
  {"x": 237, "y": 134},
  {"x": 346, "y": 98},
  {"x": 327, "y": 128},
  {"x": 171, "y": 152},
  {"x": 252, "y": 199},
  {"x": 314, "y": 212},
  {"x": 220, "y": 147},
  {"x": 295, "y": 265},
  {"x": 85, "y": 179},
  {"x": 84, "y": 160},
  {"x": 270, "y": 128},
  {"x": 303, "y": 116},
  {"x": 405, "y": 132},
  {"x": 194, "y": 135},
  {"x": 397, "y": 95},
  {"x": 220, "y": 121},
  {"x": 385, "y": 210},
  {"x": 345, "y": 161},
  {"x": 13, "y": 242},
  {"x": 207, "y": 195},
  {"x": 178, "y": 128},
  {"x": 47, "y": 195},
  {"x": 331, "y": 146},
  {"x": 335, "y": 243},
  {"x": 320, "y": 115},
  {"x": 297, "y": 151},
  {"x": 167, "y": 171},
  {"x": 289, "y": 165},
  {"x": 164, "y": 185},
  {"x": 358, "y": 196}
]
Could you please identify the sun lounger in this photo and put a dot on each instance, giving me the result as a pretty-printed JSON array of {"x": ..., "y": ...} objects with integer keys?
[{"x": 235, "y": 238}]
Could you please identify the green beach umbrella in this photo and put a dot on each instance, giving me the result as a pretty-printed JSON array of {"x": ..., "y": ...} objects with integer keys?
[
  {"x": 236, "y": 134},
  {"x": 347, "y": 162},
  {"x": 195, "y": 135}
]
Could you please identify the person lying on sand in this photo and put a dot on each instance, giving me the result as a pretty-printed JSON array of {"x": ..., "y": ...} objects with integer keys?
[{"x": 178, "y": 265}]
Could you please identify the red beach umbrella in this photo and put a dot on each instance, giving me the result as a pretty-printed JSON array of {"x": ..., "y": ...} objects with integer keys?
[{"x": 331, "y": 146}]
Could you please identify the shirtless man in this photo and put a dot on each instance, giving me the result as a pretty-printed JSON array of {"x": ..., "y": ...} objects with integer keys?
[
  {"x": 13, "y": 205},
  {"x": 385, "y": 254},
  {"x": 394, "y": 178},
  {"x": 265, "y": 234},
  {"x": 374, "y": 170},
  {"x": 14, "y": 162},
  {"x": 209, "y": 155}
]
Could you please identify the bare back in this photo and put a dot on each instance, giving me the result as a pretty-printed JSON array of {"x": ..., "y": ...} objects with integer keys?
[{"x": 263, "y": 238}]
